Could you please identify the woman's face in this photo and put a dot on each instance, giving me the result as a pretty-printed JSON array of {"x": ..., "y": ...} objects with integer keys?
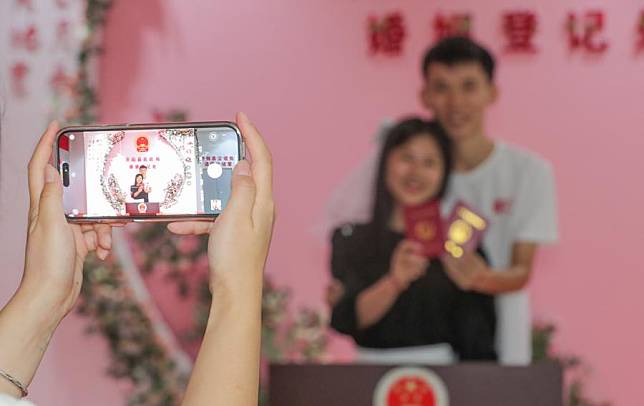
[
  {"x": 139, "y": 179},
  {"x": 414, "y": 171}
]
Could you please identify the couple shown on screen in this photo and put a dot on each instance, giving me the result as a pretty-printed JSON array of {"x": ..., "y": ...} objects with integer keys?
[{"x": 140, "y": 190}]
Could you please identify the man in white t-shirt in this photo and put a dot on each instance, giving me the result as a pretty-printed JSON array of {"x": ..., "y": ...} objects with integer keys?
[
  {"x": 143, "y": 170},
  {"x": 514, "y": 189}
]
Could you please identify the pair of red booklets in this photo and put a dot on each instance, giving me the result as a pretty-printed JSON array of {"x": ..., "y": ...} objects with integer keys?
[{"x": 461, "y": 232}]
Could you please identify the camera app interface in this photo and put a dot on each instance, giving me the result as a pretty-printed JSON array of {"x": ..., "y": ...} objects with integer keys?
[{"x": 156, "y": 172}]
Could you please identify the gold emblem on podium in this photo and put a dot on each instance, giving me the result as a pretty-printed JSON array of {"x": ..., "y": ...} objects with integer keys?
[{"x": 410, "y": 386}]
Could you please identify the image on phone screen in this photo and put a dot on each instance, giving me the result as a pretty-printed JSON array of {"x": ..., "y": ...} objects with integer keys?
[{"x": 147, "y": 172}]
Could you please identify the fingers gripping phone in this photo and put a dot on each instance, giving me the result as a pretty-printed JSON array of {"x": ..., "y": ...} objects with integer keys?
[{"x": 147, "y": 172}]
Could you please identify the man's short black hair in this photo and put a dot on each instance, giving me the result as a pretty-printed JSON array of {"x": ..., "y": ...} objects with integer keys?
[
  {"x": 143, "y": 166},
  {"x": 456, "y": 50}
]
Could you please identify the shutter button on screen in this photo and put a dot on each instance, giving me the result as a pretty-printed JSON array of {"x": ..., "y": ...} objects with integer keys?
[{"x": 214, "y": 170}]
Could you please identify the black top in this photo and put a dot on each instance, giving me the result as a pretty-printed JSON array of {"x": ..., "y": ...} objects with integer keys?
[
  {"x": 432, "y": 310},
  {"x": 143, "y": 195}
]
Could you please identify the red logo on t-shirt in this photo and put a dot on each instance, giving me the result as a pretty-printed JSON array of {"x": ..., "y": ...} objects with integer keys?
[{"x": 502, "y": 206}]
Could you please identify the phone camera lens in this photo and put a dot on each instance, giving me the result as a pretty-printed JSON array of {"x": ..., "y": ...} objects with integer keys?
[{"x": 65, "y": 174}]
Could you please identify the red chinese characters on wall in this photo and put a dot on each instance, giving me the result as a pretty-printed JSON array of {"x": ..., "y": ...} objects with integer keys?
[
  {"x": 519, "y": 28},
  {"x": 387, "y": 34},
  {"x": 584, "y": 32},
  {"x": 640, "y": 32},
  {"x": 60, "y": 81},
  {"x": 26, "y": 38},
  {"x": 27, "y": 4},
  {"x": 62, "y": 32},
  {"x": 29, "y": 37},
  {"x": 19, "y": 73},
  {"x": 457, "y": 24}
]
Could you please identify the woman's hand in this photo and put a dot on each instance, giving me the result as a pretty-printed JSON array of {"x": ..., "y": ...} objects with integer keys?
[
  {"x": 227, "y": 368},
  {"x": 55, "y": 250},
  {"x": 240, "y": 236},
  {"x": 53, "y": 270},
  {"x": 407, "y": 263},
  {"x": 469, "y": 272},
  {"x": 334, "y": 292}
]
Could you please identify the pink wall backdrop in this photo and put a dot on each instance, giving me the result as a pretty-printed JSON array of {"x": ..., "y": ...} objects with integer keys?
[{"x": 301, "y": 70}]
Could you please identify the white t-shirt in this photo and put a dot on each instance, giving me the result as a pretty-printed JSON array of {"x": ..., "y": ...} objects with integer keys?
[
  {"x": 514, "y": 189},
  {"x": 148, "y": 186}
]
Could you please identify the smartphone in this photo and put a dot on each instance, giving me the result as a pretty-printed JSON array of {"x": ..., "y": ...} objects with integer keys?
[{"x": 147, "y": 172}]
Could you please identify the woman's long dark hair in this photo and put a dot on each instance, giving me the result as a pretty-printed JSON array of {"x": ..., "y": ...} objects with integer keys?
[
  {"x": 136, "y": 176},
  {"x": 402, "y": 132}
]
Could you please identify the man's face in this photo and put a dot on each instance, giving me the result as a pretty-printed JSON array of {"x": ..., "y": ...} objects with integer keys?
[
  {"x": 143, "y": 171},
  {"x": 458, "y": 95}
]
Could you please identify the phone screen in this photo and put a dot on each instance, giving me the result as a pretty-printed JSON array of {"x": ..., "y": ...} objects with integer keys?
[{"x": 148, "y": 172}]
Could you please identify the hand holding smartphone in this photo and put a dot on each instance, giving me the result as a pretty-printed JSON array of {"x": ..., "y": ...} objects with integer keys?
[{"x": 147, "y": 172}]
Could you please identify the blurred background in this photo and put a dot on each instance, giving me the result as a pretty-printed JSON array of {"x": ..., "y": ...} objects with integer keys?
[{"x": 318, "y": 85}]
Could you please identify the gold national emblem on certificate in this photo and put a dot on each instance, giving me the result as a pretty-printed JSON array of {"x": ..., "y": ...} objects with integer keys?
[
  {"x": 464, "y": 230},
  {"x": 425, "y": 230}
]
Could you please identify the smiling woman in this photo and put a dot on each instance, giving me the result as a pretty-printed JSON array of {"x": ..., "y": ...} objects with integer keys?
[{"x": 398, "y": 304}]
